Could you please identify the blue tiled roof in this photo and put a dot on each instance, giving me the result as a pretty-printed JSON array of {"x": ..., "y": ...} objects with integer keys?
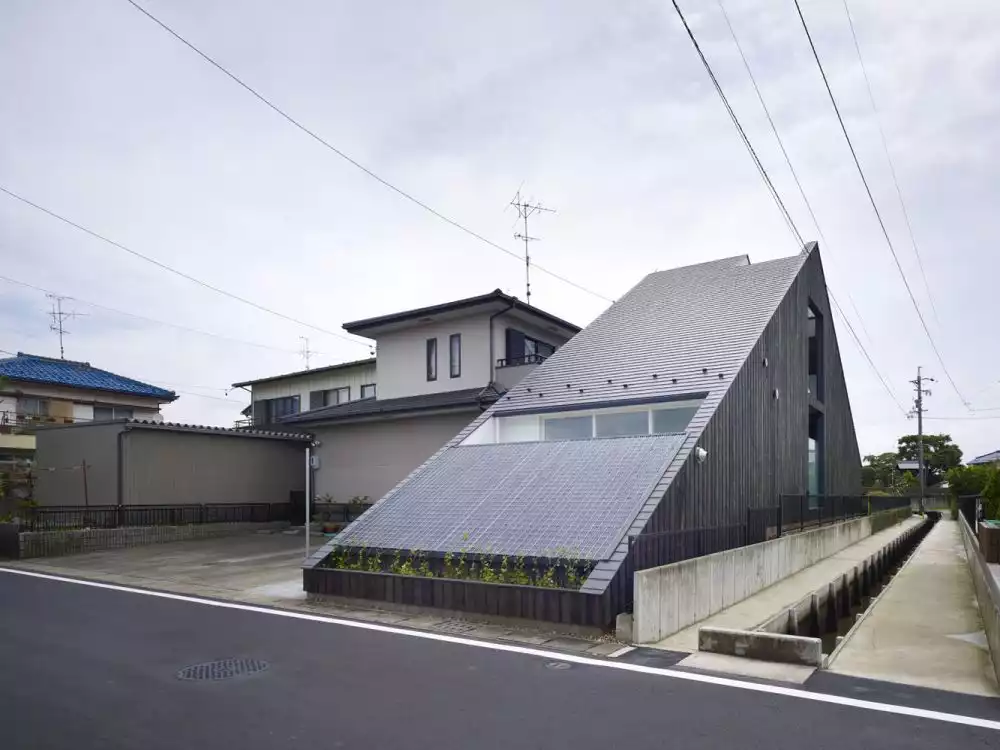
[{"x": 33, "y": 369}]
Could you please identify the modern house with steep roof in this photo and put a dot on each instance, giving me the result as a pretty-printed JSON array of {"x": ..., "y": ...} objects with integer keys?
[
  {"x": 37, "y": 391},
  {"x": 437, "y": 369},
  {"x": 698, "y": 398}
]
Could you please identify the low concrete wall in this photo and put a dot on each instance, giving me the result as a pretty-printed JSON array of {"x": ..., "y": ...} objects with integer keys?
[
  {"x": 69, "y": 542},
  {"x": 987, "y": 592},
  {"x": 671, "y": 597},
  {"x": 788, "y": 649}
]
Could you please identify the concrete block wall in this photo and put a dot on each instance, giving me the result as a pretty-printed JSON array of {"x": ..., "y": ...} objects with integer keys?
[
  {"x": 987, "y": 592},
  {"x": 669, "y": 598}
]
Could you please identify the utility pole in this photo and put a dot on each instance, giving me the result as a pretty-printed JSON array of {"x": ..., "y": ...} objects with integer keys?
[
  {"x": 58, "y": 317},
  {"x": 918, "y": 409},
  {"x": 305, "y": 353},
  {"x": 524, "y": 210}
]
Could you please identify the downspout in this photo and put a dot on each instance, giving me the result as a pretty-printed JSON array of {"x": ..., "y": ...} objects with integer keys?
[
  {"x": 493, "y": 360},
  {"x": 309, "y": 447},
  {"x": 121, "y": 466}
]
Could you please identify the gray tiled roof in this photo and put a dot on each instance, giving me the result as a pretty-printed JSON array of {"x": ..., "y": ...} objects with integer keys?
[
  {"x": 691, "y": 324},
  {"x": 370, "y": 407},
  {"x": 574, "y": 498}
]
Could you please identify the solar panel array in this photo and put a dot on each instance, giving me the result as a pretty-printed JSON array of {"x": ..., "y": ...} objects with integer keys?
[{"x": 572, "y": 498}]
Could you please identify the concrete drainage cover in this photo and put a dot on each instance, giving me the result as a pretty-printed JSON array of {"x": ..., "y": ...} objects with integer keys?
[{"x": 222, "y": 669}]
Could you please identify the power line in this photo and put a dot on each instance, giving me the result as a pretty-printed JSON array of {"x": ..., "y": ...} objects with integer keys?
[
  {"x": 788, "y": 159},
  {"x": 878, "y": 215},
  {"x": 743, "y": 136},
  {"x": 864, "y": 351},
  {"x": 174, "y": 271},
  {"x": 809, "y": 208},
  {"x": 774, "y": 193},
  {"x": 892, "y": 166},
  {"x": 147, "y": 319},
  {"x": 973, "y": 419},
  {"x": 350, "y": 160}
]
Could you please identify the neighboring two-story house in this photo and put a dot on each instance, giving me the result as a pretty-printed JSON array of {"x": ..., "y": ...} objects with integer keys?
[
  {"x": 437, "y": 369},
  {"x": 37, "y": 391}
]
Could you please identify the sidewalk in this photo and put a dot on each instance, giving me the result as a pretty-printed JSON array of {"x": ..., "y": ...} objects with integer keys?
[
  {"x": 925, "y": 629},
  {"x": 751, "y": 612}
]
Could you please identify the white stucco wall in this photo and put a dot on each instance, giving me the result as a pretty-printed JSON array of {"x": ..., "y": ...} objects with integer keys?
[
  {"x": 402, "y": 358},
  {"x": 502, "y": 322},
  {"x": 303, "y": 385}
]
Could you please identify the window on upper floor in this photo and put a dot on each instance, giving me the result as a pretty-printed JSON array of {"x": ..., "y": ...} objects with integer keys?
[
  {"x": 659, "y": 418},
  {"x": 329, "y": 397},
  {"x": 525, "y": 350},
  {"x": 107, "y": 413},
  {"x": 32, "y": 407},
  {"x": 455, "y": 355},
  {"x": 432, "y": 359},
  {"x": 271, "y": 410},
  {"x": 368, "y": 390}
]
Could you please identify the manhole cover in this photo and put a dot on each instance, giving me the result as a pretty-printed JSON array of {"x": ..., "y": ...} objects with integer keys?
[
  {"x": 558, "y": 665},
  {"x": 223, "y": 669}
]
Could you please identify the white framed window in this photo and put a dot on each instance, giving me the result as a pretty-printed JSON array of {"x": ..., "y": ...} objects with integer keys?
[
  {"x": 368, "y": 390},
  {"x": 661, "y": 418}
]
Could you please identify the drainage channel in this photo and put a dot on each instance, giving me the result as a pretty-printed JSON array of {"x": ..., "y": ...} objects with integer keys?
[{"x": 830, "y": 615}]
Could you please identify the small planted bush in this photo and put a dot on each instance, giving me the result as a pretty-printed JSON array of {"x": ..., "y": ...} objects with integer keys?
[{"x": 561, "y": 570}]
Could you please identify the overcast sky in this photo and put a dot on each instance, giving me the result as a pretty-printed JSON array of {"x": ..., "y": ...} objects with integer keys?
[{"x": 601, "y": 110}]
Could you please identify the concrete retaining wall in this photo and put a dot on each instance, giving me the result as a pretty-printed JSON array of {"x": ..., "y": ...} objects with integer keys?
[
  {"x": 671, "y": 597},
  {"x": 987, "y": 592},
  {"x": 69, "y": 542},
  {"x": 788, "y": 649}
]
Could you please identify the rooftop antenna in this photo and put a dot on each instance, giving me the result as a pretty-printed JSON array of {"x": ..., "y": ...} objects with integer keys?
[
  {"x": 59, "y": 316},
  {"x": 524, "y": 210},
  {"x": 305, "y": 353}
]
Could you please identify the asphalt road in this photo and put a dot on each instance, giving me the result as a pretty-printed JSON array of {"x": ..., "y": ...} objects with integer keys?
[{"x": 84, "y": 667}]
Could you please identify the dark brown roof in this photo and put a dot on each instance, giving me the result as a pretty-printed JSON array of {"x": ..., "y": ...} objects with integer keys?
[{"x": 359, "y": 326}]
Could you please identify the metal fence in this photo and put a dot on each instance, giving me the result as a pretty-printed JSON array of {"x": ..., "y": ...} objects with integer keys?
[
  {"x": 666, "y": 547},
  {"x": 801, "y": 512},
  {"x": 52, "y": 518},
  {"x": 969, "y": 506}
]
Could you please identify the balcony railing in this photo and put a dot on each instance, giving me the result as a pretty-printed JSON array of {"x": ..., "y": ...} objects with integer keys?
[
  {"x": 527, "y": 359},
  {"x": 14, "y": 423}
]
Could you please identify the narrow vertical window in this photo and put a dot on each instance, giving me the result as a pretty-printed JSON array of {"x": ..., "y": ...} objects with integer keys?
[
  {"x": 455, "y": 354},
  {"x": 432, "y": 359}
]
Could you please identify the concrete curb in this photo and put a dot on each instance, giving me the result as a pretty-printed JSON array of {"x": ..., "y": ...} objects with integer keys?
[{"x": 787, "y": 649}]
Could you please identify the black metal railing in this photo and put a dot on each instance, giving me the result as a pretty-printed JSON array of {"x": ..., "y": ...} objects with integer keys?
[
  {"x": 527, "y": 359},
  {"x": 666, "y": 547},
  {"x": 801, "y": 512},
  {"x": 969, "y": 507},
  {"x": 64, "y": 517}
]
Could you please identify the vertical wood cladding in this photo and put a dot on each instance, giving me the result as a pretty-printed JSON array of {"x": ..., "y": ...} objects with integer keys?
[{"x": 757, "y": 444}]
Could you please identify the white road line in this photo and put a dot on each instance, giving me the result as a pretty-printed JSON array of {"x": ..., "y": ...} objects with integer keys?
[
  {"x": 621, "y": 652},
  {"x": 573, "y": 658}
]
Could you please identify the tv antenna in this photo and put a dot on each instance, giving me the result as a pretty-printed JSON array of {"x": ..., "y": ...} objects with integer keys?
[
  {"x": 59, "y": 316},
  {"x": 305, "y": 352},
  {"x": 526, "y": 209}
]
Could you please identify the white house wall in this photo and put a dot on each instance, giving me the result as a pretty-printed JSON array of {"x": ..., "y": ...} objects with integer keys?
[
  {"x": 303, "y": 385},
  {"x": 402, "y": 358}
]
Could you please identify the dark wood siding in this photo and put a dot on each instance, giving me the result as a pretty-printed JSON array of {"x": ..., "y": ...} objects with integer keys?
[{"x": 757, "y": 444}]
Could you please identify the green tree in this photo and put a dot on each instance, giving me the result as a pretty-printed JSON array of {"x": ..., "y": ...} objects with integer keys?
[
  {"x": 879, "y": 471},
  {"x": 940, "y": 454}
]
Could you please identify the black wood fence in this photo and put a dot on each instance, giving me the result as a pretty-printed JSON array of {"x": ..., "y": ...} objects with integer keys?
[{"x": 59, "y": 517}]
